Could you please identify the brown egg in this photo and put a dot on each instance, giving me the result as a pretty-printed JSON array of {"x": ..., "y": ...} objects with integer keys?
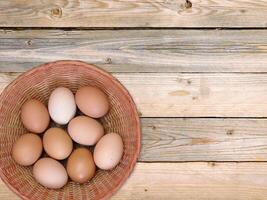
[
  {"x": 57, "y": 143},
  {"x": 92, "y": 101},
  {"x": 108, "y": 151},
  {"x": 61, "y": 105},
  {"x": 80, "y": 166},
  {"x": 85, "y": 130},
  {"x": 50, "y": 173},
  {"x": 34, "y": 116},
  {"x": 27, "y": 149}
]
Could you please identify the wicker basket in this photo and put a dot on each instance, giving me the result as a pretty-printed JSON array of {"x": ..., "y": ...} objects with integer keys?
[{"x": 38, "y": 83}]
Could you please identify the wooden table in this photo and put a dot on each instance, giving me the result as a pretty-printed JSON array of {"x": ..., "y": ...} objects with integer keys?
[{"x": 196, "y": 69}]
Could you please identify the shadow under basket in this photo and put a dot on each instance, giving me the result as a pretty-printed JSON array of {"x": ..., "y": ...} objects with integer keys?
[{"x": 38, "y": 83}]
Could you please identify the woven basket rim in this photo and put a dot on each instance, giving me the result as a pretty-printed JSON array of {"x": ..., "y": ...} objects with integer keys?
[{"x": 114, "y": 81}]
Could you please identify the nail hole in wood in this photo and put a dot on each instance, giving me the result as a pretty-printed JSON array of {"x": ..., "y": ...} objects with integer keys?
[
  {"x": 212, "y": 164},
  {"x": 108, "y": 60},
  {"x": 230, "y": 132},
  {"x": 29, "y": 42}
]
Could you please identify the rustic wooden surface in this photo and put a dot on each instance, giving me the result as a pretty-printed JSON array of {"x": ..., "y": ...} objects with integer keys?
[
  {"x": 197, "y": 70},
  {"x": 138, "y": 50},
  {"x": 133, "y": 13}
]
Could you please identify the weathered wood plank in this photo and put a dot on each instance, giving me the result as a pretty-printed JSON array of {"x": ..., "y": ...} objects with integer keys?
[
  {"x": 134, "y": 13},
  {"x": 198, "y": 95},
  {"x": 195, "y": 181},
  {"x": 175, "y": 139},
  {"x": 138, "y": 50},
  {"x": 192, "y": 94}
]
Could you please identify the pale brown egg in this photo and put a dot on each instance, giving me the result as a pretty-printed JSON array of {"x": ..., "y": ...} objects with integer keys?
[
  {"x": 57, "y": 143},
  {"x": 80, "y": 166},
  {"x": 27, "y": 149},
  {"x": 108, "y": 151},
  {"x": 85, "y": 130},
  {"x": 92, "y": 101},
  {"x": 35, "y": 116},
  {"x": 50, "y": 173},
  {"x": 61, "y": 105}
]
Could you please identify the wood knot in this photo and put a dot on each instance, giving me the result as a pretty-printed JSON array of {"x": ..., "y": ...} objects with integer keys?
[
  {"x": 56, "y": 12},
  {"x": 189, "y": 82},
  {"x": 145, "y": 190},
  {"x": 188, "y": 4}
]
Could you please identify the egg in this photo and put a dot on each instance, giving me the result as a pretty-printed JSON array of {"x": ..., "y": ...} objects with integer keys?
[
  {"x": 108, "y": 151},
  {"x": 50, "y": 173},
  {"x": 61, "y": 105},
  {"x": 85, "y": 130},
  {"x": 27, "y": 149},
  {"x": 57, "y": 143},
  {"x": 92, "y": 101},
  {"x": 80, "y": 166},
  {"x": 34, "y": 116}
]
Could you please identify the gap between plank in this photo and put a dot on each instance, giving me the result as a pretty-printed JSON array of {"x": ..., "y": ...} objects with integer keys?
[
  {"x": 207, "y": 117},
  {"x": 131, "y": 28},
  {"x": 202, "y": 161}
]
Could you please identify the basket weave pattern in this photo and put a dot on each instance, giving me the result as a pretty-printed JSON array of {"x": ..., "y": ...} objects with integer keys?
[{"x": 38, "y": 83}]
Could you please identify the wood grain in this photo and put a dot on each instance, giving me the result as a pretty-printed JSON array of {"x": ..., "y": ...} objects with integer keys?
[
  {"x": 194, "y": 181},
  {"x": 200, "y": 181},
  {"x": 198, "y": 95},
  {"x": 134, "y": 13},
  {"x": 191, "y": 94},
  {"x": 138, "y": 50},
  {"x": 193, "y": 139}
]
